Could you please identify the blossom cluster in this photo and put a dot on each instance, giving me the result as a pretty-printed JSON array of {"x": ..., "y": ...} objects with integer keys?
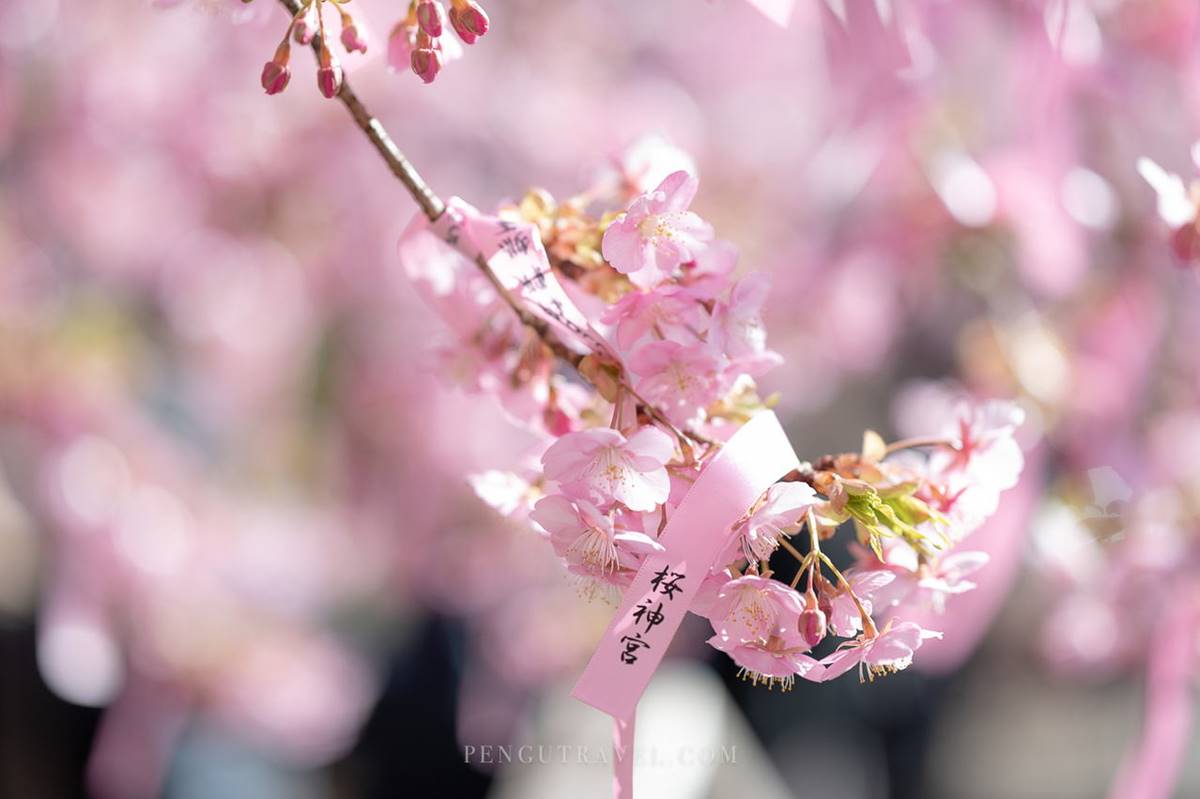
[
  {"x": 416, "y": 42},
  {"x": 621, "y": 440}
]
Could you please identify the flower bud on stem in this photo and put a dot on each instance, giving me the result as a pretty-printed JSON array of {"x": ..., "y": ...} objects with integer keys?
[
  {"x": 276, "y": 74},
  {"x": 352, "y": 38}
]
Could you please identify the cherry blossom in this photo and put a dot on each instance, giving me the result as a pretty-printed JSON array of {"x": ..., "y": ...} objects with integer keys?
[
  {"x": 963, "y": 482},
  {"x": 947, "y": 577},
  {"x": 845, "y": 618},
  {"x": 925, "y": 584},
  {"x": 986, "y": 450},
  {"x": 708, "y": 276},
  {"x": 737, "y": 327},
  {"x": 588, "y": 541},
  {"x": 668, "y": 312},
  {"x": 657, "y": 233},
  {"x": 776, "y": 661},
  {"x": 603, "y": 466},
  {"x": 757, "y": 623},
  {"x": 754, "y": 607},
  {"x": 680, "y": 379},
  {"x": 877, "y": 654},
  {"x": 779, "y": 515}
]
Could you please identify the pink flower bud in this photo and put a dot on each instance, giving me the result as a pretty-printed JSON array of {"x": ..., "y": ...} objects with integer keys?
[
  {"x": 275, "y": 77},
  {"x": 812, "y": 626},
  {"x": 352, "y": 38},
  {"x": 329, "y": 79},
  {"x": 460, "y": 28},
  {"x": 472, "y": 19},
  {"x": 427, "y": 63},
  {"x": 431, "y": 17},
  {"x": 275, "y": 74}
]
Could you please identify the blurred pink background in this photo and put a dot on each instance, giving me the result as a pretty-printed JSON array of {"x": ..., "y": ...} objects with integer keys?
[{"x": 239, "y": 552}]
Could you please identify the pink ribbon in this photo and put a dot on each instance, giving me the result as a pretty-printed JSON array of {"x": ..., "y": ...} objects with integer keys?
[
  {"x": 665, "y": 586},
  {"x": 514, "y": 252}
]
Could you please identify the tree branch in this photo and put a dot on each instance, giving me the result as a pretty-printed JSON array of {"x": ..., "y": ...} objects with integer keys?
[{"x": 433, "y": 207}]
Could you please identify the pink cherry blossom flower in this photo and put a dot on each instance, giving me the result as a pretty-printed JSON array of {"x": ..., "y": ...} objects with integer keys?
[
  {"x": 737, "y": 327},
  {"x": 681, "y": 380},
  {"x": 758, "y": 535},
  {"x": 681, "y": 479},
  {"x": 776, "y": 661},
  {"x": 710, "y": 589},
  {"x": 947, "y": 577},
  {"x": 757, "y": 623},
  {"x": 923, "y": 585},
  {"x": 877, "y": 655},
  {"x": 963, "y": 482},
  {"x": 900, "y": 559},
  {"x": 590, "y": 543},
  {"x": 966, "y": 504},
  {"x": 657, "y": 232},
  {"x": 602, "y": 466},
  {"x": 667, "y": 311},
  {"x": 986, "y": 451},
  {"x": 737, "y": 330},
  {"x": 844, "y": 616},
  {"x": 753, "y": 608},
  {"x": 707, "y": 276}
]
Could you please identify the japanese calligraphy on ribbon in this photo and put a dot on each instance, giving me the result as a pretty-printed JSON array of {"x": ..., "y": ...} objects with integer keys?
[{"x": 654, "y": 605}]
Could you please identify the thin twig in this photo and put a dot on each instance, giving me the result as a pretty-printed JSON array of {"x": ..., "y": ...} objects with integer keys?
[
  {"x": 433, "y": 207},
  {"x": 430, "y": 203}
]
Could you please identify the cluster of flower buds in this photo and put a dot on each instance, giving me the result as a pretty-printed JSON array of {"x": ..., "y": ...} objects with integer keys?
[
  {"x": 621, "y": 441},
  {"x": 309, "y": 24},
  {"x": 417, "y": 41}
]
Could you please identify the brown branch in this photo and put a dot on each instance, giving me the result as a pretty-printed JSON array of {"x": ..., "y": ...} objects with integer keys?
[
  {"x": 430, "y": 203},
  {"x": 433, "y": 207}
]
